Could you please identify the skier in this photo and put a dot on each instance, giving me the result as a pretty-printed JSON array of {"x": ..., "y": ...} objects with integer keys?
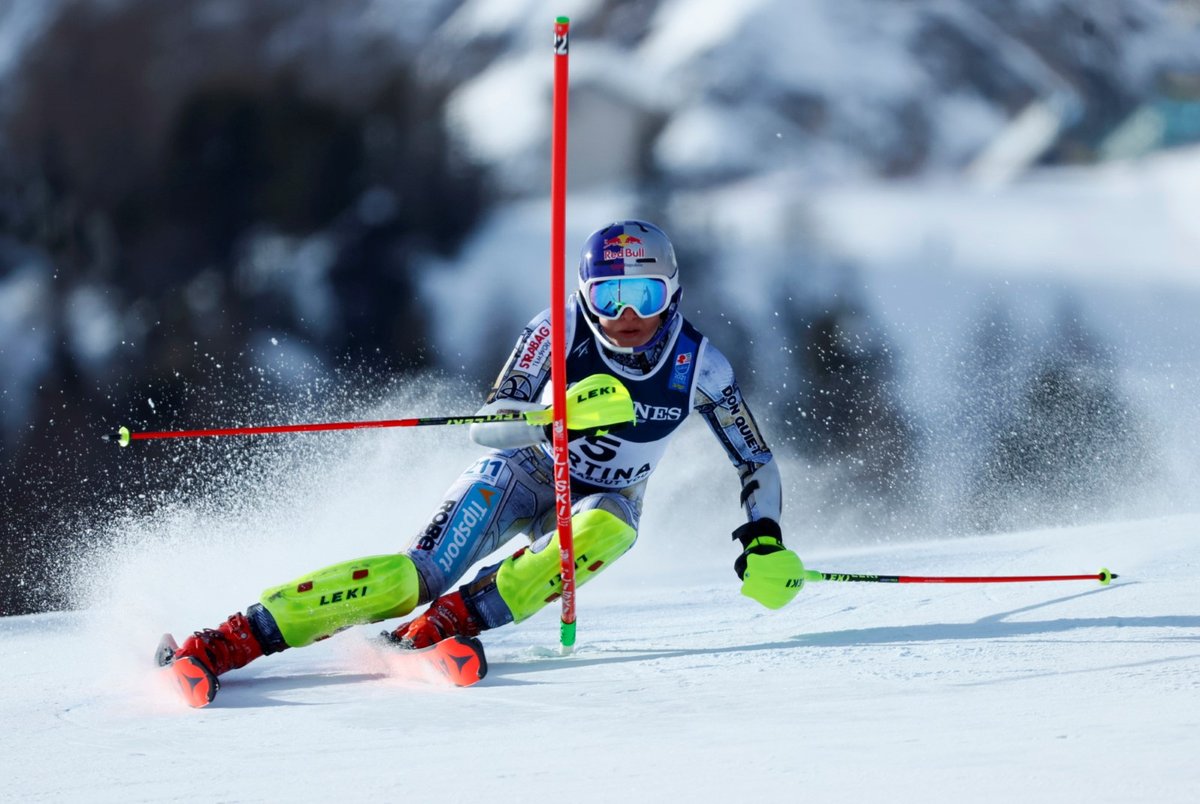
[{"x": 625, "y": 321}]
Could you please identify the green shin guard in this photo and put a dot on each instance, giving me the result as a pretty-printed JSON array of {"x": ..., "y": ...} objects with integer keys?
[
  {"x": 528, "y": 581},
  {"x": 364, "y": 590}
]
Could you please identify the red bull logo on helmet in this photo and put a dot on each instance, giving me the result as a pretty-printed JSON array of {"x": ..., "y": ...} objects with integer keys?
[{"x": 624, "y": 247}]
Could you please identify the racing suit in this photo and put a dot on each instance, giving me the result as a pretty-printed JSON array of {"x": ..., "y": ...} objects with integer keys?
[{"x": 510, "y": 491}]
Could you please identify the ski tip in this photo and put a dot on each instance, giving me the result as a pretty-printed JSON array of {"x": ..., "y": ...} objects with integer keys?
[
  {"x": 196, "y": 683},
  {"x": 458, "y": 659},
  {"x": 165, "y": 651},
  {"x": 463, "y": 661}
]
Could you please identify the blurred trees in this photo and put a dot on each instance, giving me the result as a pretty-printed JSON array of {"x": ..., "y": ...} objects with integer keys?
[
  {"x": 1068, "y": 444},
  {"x": 852, "y": 414},
  {"x": 181, "y": 185}
]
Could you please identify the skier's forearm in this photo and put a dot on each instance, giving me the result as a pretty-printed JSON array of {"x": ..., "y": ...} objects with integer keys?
[
  {"x": 507, "y": 435},
  {"x": 762, "y": 491}
]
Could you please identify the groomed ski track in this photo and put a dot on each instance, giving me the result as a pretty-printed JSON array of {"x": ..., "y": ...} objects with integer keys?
[{"x": 679, "y": 690}]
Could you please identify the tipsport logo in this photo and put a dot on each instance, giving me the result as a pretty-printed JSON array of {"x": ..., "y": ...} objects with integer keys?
[
  {"x": 624, "y": 247},
  {"x": 451, "y": 530}
]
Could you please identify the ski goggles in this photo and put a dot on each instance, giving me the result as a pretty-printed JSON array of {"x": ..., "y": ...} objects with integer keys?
[{"x": 608, "y": 298}]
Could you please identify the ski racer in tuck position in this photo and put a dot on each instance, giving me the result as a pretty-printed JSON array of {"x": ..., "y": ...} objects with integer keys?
[{"x": 623, "y": 321}]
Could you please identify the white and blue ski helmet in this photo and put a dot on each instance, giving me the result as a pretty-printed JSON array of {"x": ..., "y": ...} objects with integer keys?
[{"x": 629, "y": 264}]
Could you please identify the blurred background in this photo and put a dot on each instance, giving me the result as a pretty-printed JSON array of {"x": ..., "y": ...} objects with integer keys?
[{"x": 950, "y": 245}]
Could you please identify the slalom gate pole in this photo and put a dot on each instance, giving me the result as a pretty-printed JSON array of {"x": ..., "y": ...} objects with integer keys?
[
  {"x": 1104, "y": 576},
  {"x": 558, "y": 330},
  {"x": 124, "y": 435}
]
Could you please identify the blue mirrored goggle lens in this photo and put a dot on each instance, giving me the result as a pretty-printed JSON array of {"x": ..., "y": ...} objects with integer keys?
[{"x": 646, "y": 295}]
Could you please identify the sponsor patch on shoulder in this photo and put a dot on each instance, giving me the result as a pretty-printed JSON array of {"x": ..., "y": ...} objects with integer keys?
[{"x": 681, "y": 371}]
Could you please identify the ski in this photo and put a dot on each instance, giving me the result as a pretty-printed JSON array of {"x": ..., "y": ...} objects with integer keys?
[
  {"x": 458, "y": 659},
  {"x": 195, "y": 682}
]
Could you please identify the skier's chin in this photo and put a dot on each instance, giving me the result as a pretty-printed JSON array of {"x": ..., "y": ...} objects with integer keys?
[
  {"x": 631, "y": 336},
  {"x": 630, "y": 340}
]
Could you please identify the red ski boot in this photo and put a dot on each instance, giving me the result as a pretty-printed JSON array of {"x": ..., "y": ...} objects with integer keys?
[
  {"x": 446, "y": 617},
  {"x": 207, "y": 654}
]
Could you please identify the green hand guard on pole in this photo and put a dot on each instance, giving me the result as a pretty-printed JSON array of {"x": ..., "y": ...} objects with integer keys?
[
  {"x": 771, "y": 574},
  {"x": 594, "y": 405},
  {"x": 772, "y": 578}
]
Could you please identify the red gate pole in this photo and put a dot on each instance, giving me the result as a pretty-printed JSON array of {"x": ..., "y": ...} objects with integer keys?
[{"x": 558, "y": 329}]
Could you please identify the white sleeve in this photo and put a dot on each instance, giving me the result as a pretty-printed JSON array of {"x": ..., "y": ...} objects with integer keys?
[
  {"x": 521, "y": 382},
  {"x": 762, "y": 492},
  {"x": 527, "y": 369},
  {"x": 719, "y": 400},
  {"x": 507, "y": 435}
]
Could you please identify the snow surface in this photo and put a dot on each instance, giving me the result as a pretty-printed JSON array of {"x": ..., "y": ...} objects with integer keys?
[{"x": 679, "y": 689}]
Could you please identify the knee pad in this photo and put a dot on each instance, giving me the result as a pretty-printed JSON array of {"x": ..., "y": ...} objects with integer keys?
[
  {"x": 364, "y": 590},
  {"x": 527, "y": 581}
]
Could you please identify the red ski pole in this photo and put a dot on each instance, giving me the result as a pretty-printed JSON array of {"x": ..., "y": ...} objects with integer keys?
[
  {"x": 617, "y": 407},
  {"x": 1104, "y": 576},
  {"x": 124, "y": 435}
]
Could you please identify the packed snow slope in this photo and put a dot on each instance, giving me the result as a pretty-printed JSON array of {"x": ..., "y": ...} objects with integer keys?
[{"x": 680, "y": 689}]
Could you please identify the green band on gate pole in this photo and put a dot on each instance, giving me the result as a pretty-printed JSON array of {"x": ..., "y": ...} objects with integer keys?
[{"x": 567, "y": 636}]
